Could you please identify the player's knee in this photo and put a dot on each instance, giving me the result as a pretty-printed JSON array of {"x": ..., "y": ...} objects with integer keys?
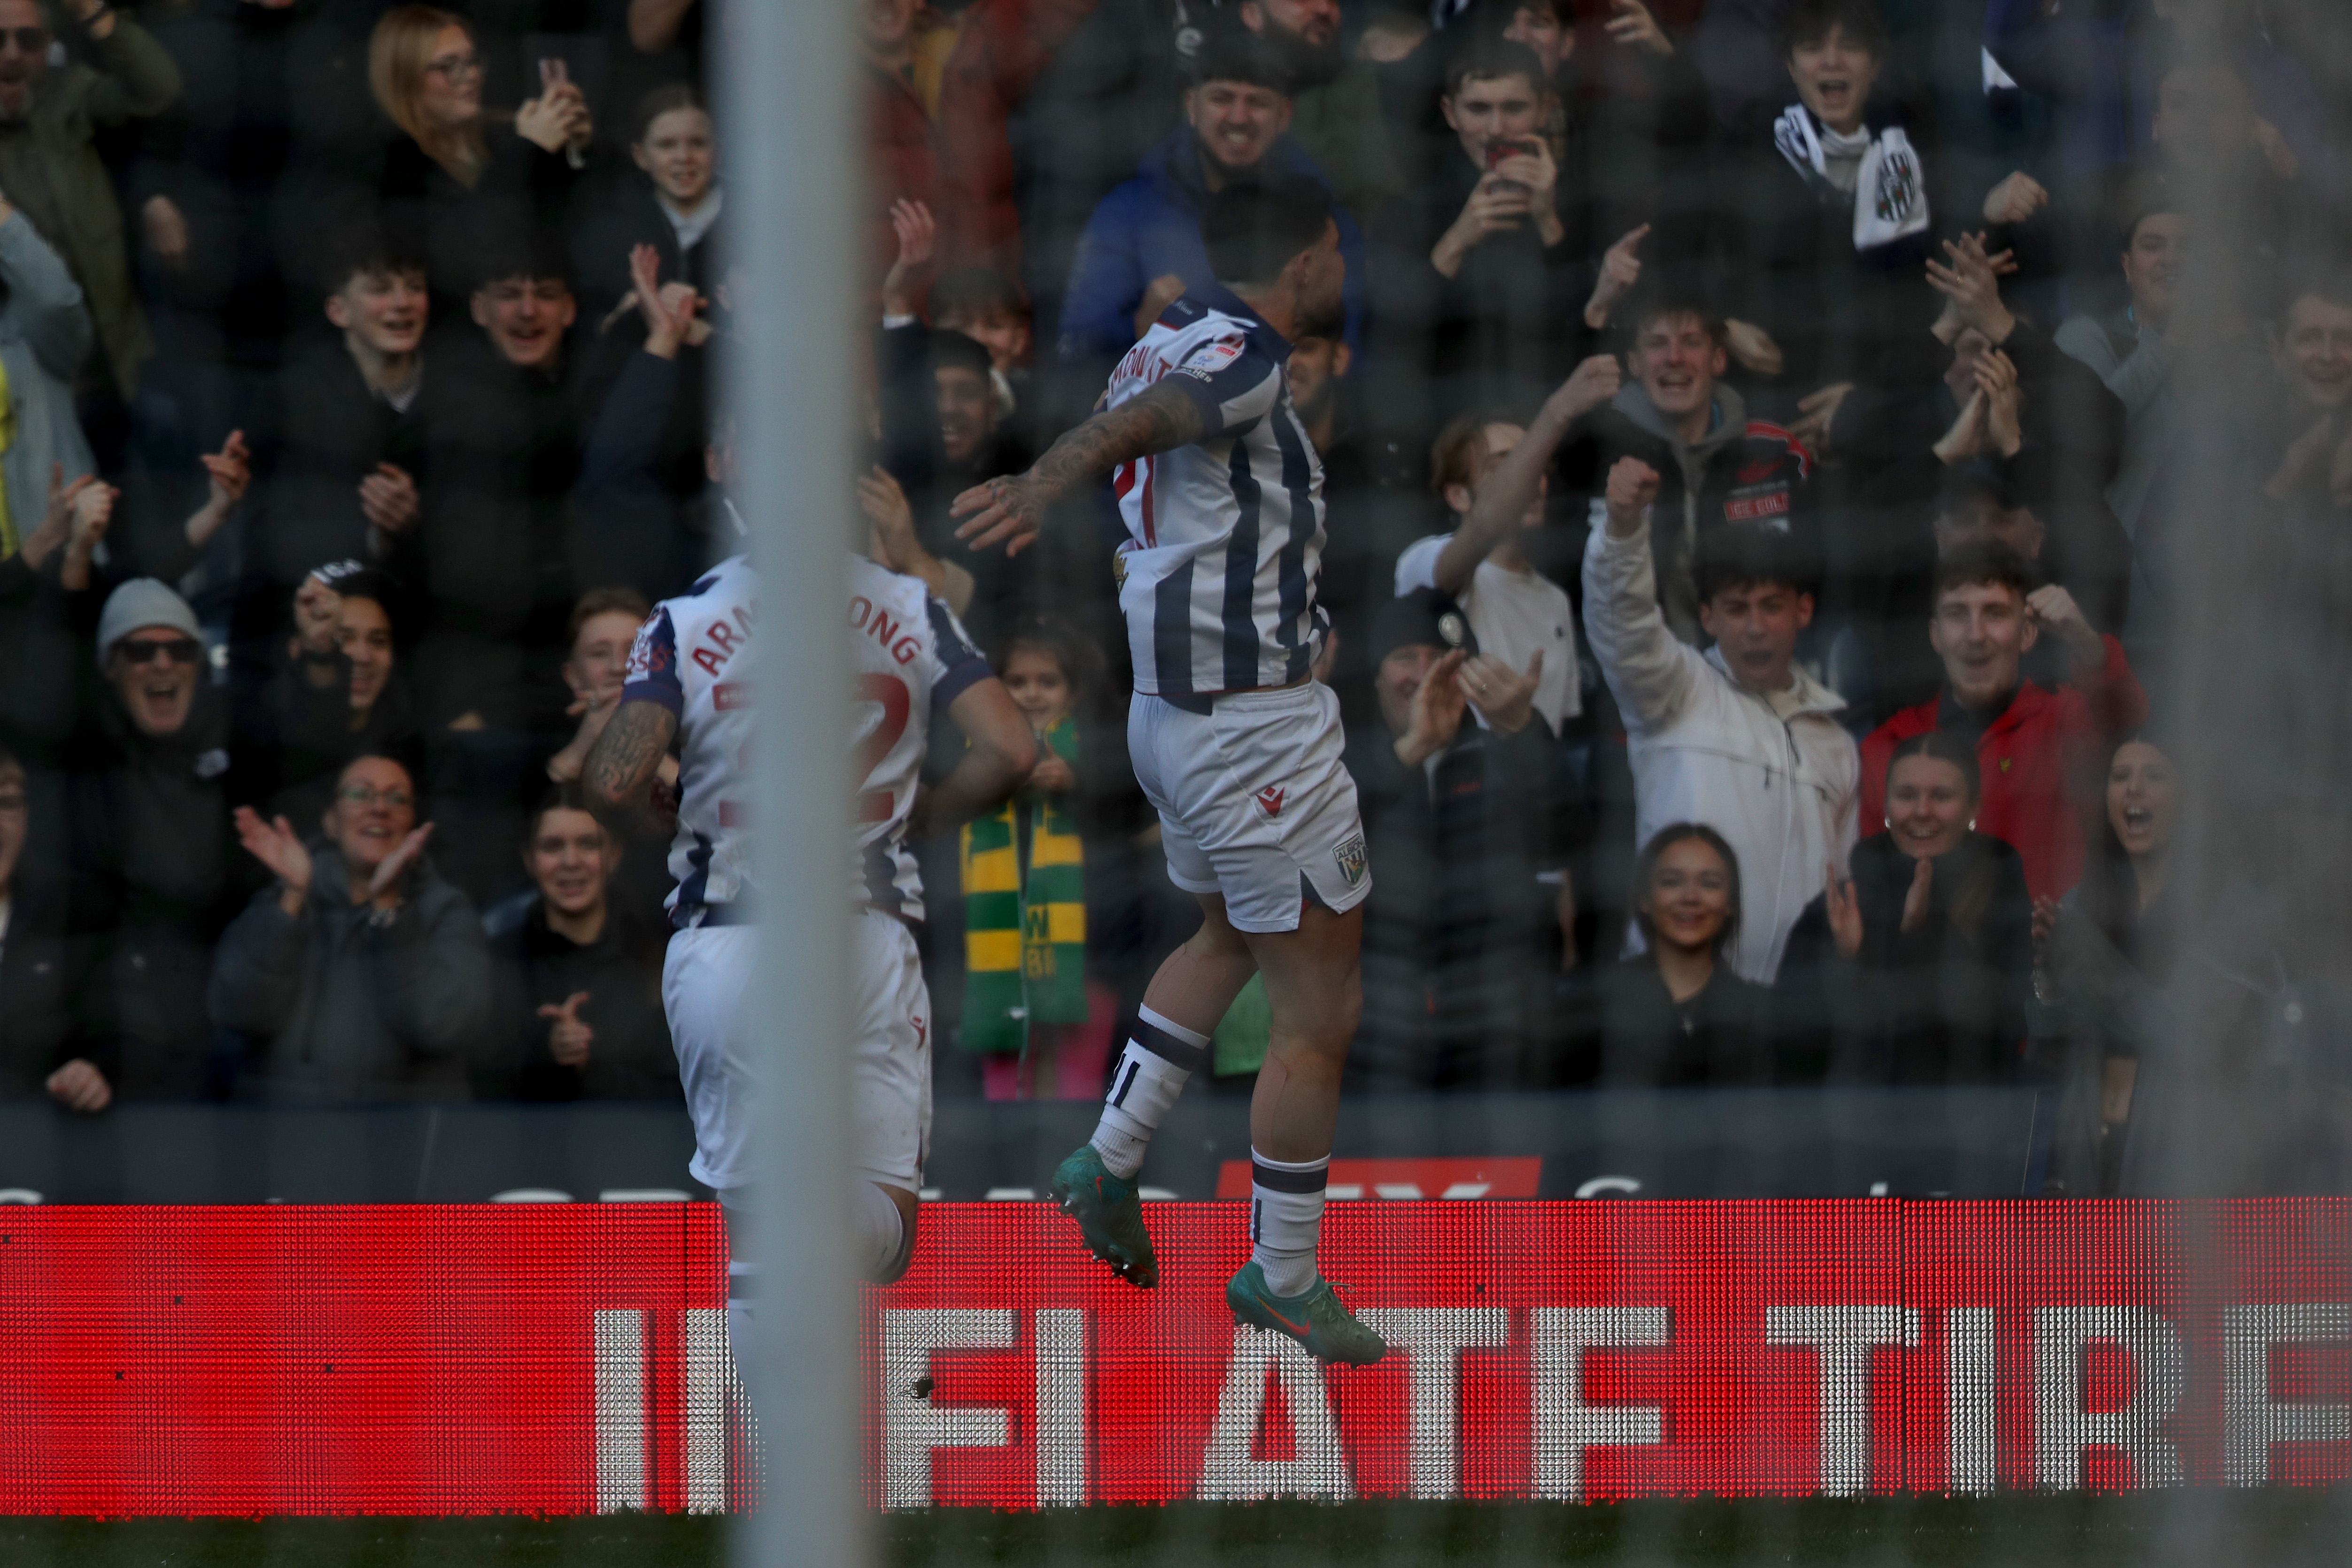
[{"x": 890, "y": 1270}]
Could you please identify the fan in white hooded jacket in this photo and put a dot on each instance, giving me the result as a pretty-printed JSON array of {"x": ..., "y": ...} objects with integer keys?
[{"x": 1778, "y": 777}]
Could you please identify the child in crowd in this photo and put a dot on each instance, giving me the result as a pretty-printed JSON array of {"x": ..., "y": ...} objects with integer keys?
[{"x": 1042, "y": 1025}]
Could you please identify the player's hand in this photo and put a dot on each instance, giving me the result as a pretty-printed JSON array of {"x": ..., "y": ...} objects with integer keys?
[
  {"x": 1632, "y": 486},
  {"x": 389, "y": 870},
  {"x": 568, "y": 1038},
  {"x": 1505, "y": 697},
  {"x": 1590, "y": 386},
  {"x": 275, "y": 845},
  {"x": 1621, "y": 270},
  {"x": 1436, "y": 712},
  {"x": 2015, "y": 199},
  {"x": 78, "y": 1085},
  {"x": 1753, "y": 347},
  {"x": 1010, "y": 511},
  {"x": 1633, "y": 25},
  {"x": 388, "y": 499},
  {"x": 1844, "y": 911}
]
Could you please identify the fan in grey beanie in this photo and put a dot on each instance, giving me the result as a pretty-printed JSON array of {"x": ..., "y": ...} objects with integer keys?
[{"x": 139, "y": 603}]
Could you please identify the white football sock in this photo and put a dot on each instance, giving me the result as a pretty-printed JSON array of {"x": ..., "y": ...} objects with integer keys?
[
  {"x": 1159, "y": 1056},
  {"x": 1286, "y": 1219},
  {"x": 878, "y": 1231},
  {"x": 744, "y": 1319}
]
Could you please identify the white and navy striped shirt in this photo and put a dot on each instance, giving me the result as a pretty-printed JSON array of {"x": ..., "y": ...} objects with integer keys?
[{"x": 1217, "y": 576}]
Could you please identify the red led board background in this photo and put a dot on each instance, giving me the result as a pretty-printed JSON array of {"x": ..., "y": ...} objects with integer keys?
[{"x": 570, "y": 1358}]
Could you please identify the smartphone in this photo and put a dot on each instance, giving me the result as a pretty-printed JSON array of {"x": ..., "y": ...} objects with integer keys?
[{"x": 1502, "y": 150}]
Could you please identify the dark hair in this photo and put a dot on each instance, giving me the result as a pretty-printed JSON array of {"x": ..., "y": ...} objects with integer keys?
[
  {"x": 368, "y": 250},
  {"x": 515, "y": 248},
  {"x": 1810, "y": 21},
  {"x": 568, "y": 796},
  {"x": 1253, "y": 229},
  {"x": 1654, "y": 304},
  {"x": 975, "y": 291},
  {"x": 1081, "y": 659},
  {"x": 357, "y": 579},
  {"x": 1235, "y": 54},
  {"x": 951, "y": 349},
  {"x": 2109, "y": 895},
  {"x": 1645, "y": 867},
  {"x": 1745, "y": 555},
  {"x": 407, "y": 769},
  {"x": 1491, "y": 59},
  {"x": 1982, "y": 563},
  {"x": 2329, "y": 285},
  {"x": 1453, "y": 455},
  {"x": 1940, "y": 746},
  {"x": 2143, "y": 198},
  {"x": 667, "y": 98},
  {"x": 607, "y": 601}
]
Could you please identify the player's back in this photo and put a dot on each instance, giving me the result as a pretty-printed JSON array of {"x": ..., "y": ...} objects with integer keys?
[
  {"x": 908, "y": 655},
  {"x": 695, "y": 656},
  {"x": 1225, "y": 536}
]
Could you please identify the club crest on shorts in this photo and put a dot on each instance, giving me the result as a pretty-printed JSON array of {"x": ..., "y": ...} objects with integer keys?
[
  {"x": 1269, "y": 799},
  {"x": 1350, "y": 856}
]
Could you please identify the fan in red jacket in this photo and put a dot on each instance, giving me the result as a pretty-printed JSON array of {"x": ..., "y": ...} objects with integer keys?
[{"x": 2039, "y": 748}]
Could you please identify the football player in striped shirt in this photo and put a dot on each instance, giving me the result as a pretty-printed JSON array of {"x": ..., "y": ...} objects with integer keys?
[{"x": 1235, "y": 744}]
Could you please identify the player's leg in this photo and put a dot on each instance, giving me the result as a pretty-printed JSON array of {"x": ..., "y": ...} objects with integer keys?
[
  {"x": 1187, "y": 998},
  {"x": 889, "y": 1095},
  {"x": 1314, "y": 990}
]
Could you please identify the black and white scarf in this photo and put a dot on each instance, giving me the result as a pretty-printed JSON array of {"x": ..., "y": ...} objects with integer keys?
[{"x": 1890, "y": 192}]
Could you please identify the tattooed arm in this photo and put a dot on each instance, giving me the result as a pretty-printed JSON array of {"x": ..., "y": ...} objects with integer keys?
[
  {"x": 1010, "y": 511},
  {"x": 618, "y": 775}
]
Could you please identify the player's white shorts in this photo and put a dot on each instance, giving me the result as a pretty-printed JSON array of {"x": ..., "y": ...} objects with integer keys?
[
  {"x": 706, "y": 983},
  {"x": 1253, "y": 797}
]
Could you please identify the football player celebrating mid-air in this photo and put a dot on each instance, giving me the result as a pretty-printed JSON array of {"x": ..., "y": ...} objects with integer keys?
[{"x": 1235, "y": 744}]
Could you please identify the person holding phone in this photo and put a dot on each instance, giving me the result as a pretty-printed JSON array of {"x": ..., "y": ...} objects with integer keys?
[
  {"x": 1480, "y": 278},
  {"x": 451, "y": 159}
]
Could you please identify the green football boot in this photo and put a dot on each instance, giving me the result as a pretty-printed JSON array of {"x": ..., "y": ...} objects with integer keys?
[
  {"x": 1313, "y": 1318},
  {"x": 1109, "y": 1215}
]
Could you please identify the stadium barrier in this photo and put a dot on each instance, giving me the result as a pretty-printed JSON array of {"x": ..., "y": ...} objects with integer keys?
[
  {"x": 1794, "y": 1142},
  {"x": 568, "y": 1358}
]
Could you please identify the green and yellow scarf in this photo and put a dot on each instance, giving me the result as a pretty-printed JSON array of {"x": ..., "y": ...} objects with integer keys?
[{"x": 1024, "y": 937}]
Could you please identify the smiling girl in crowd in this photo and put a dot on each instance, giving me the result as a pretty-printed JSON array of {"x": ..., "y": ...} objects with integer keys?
[
  {"x": 1675, "y": 1013},
  {"x": 1916, "y": 965}
]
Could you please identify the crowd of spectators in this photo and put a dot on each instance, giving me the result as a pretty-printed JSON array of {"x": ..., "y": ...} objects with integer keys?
[{"x": 1753, "y": 454}]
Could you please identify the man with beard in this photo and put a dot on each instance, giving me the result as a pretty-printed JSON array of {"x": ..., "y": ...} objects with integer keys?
[
  {"x": 1335, "y": 102},
  {"x": 971, "y": 450},
  {"x": 52, "y": 171},
  {"x": 1142, "y": 250}
]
